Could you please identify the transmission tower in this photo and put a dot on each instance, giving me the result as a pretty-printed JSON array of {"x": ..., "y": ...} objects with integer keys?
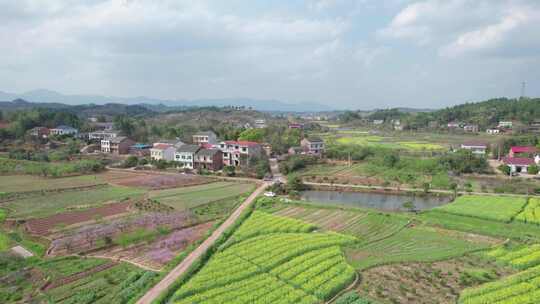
[{"x": 523, "y": 84}]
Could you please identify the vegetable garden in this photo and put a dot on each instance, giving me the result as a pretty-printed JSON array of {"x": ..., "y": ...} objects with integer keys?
[
  {"x": 272, "y": 263},
  {"x": 486, "y": 207}
]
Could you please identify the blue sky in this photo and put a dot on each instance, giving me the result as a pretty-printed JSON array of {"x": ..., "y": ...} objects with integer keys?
[{"x": 360, "y": 54}]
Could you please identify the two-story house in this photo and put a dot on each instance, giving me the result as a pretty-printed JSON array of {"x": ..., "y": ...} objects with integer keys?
[
  {"x": 185, "y": 155},
  {"x": 39, "y": 132},
  {"x": 312, "y": 145},
  {"x": 162, "y": 152},
  {"x": 209, "y": 159},
  {"x": 100, "y": 135},
  {"x": 236, "y": 153},
  {"x": 205, "y": 138},
  {"x": 117, "y": 145},
  {"x": 64, "y": 130}
]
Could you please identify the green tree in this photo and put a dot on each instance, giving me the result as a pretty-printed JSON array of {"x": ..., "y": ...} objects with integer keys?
[
  {"x": 256, "y": 135},
  {"x": 294, "y": 183},
  {"x": 532, "y": 169}
]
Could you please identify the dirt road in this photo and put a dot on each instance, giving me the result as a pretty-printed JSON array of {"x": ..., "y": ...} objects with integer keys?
[{"x": 170, "y": 278}]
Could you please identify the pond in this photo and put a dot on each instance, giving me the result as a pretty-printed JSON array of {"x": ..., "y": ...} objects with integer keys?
[{"x": 382, "y": 201}]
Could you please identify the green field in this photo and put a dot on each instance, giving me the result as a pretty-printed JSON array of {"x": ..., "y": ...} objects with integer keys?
[
  {"x": 44, "y": 205},
  {"x": 531, "y": 213},
  {"x": 416, "y": 244},
  {"x": 276, "y": 266},
  {"x": 386, "y": 142},
  {"x": 193, "y": 196},
  {"x": 119, "y": 284},
  {"x": 65, "y": 266},
  {"x": 23, "y": 183},
  {"x": 520, "y": 257},
  {"x": 4, "y": 241},
  {"x": 486, "y": 207},
  {"x": 367, "y": 226},
  {"x": 514, "y": 230}
]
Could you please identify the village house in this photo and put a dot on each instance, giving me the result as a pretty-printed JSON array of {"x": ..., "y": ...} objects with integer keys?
[
  {"x": 64, "y": 130},
  {"x": 236, "y": 153},
  {"x": 39, "y": 132},
  {"x": 102, "y": 126},
  {"x": 476, "y": 147},
  {"x": 453, "y": 125},
  {"x": 100, "y": 135},
  {"x": 378, "y": 122},
  {"x": 117, "y": 145},
  {"x": 523, "y": 151},
  {"x": 493, "y": 131},
  {"x": 470, "y": 128},
  {"x": 260, "y": 123},
  {"x": 206, "y": 137},
  {"x": 505, "y": 124},
  {"x": 162, "y": 152},
  {"x": 173, "y": 142},
  {"x": 518, "y": 164},
  {"x": 209, "y": 159},
  {"x": 185, "y": 155},
  {"x": 312, "y": 145},
  {"x": 295, "y": 150},
  {"x": 140, "y": 149},
  {"x": 296, "y": 126}
]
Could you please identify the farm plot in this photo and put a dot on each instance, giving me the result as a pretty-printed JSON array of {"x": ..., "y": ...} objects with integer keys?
[
  {"x": 46, "y": 225},
  {"x": 487, "y": 207},
  {"x": 272, "y": 267},
  {"x": 367, "y": 226},
  {"x": 42, "y": 206},
  {"x": 531, "y": 213},
  {"x": 416, "y": 244},
  {"x": 119, "y": 284},
  {"x": 157, "y": 253},
  {"x": 98, "y": 235},
  {"x": 428, "y": 283},
  {"x": 264, "y": 223},
  {"x": 153, "y": 180},
  {"x": 26, "y": 183},
  {"x": 66, "y": 266},
  {"x": 522, "y": 288},
  {"x": 189, "y": 197},
  {"x": 514, "y": 230},
  {"x": 522, "y": 257}
]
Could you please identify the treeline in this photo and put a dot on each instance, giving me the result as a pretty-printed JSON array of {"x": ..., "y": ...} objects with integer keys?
[
  {"x": 485, "y": 114},
  {"x": 22, "y": 121},
  {"x": 12, "y": 166}
]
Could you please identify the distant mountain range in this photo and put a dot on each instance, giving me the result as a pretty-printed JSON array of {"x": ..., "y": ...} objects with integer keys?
[{"x": 55, "y": 98}]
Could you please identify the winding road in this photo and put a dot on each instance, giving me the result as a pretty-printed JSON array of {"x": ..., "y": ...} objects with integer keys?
[{"x": 181, "y": 268}]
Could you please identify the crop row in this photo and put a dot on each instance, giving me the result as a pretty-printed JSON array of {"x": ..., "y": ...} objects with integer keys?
[
  {"x": 521, "y": 258},
  {"x": 531, "y": 213},
  {"x": 262, "y": 288},
  {"x": 502, "y": 209},
  {"x": 264, "y": 223},
  {"x": 512, "y": 286}
]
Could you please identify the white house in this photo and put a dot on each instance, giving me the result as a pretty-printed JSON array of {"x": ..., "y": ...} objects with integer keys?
[
  {"x": 518, "y": 164},
  {"x": 186, "y": 155},
  {"x": 235, "y": 151},
  {"x": 493, "y": 131},
  {"x": 505, "y": 124},
  {"x": 101, "y": 135},
  {"x": 312, "y": 145},
  {"x": 476, "y": 147},
  {"x": 206, "y": 137},
  {"x": 162, "y": 151},
  {"x": 64, "y": 130}
]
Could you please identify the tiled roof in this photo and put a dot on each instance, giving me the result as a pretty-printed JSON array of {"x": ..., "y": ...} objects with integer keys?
[
  {"x": 474, "y": 143},
  {"x": 188, "y": 148},
  {"x": 523, "y": 149},
  {"x": 161, "y": 146},
  {"x": 241, "y": 143},
  {"x": 519, "y": 161},
  {"x": 208, "y": 152}
]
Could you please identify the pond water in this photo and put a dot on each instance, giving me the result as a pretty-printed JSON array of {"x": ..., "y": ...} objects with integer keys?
[{"x": 383, "y": 201}]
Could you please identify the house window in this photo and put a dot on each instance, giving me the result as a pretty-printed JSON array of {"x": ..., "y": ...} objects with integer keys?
[{"x": 244, "y": 149}]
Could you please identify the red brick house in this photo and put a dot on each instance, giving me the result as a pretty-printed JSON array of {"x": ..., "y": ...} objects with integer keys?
[{"x": 208, "y": 159}]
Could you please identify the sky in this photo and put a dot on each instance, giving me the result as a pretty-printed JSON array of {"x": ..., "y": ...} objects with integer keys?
[{"x": 347, "y": 54}]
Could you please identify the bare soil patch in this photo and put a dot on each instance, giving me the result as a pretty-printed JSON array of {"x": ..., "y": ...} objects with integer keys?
[
  {"x": 153, "y": 180},
  {"x": 45, "y": 226},
  {"x": 156, "y": 254},
  {"x": 427, "y": 283}
]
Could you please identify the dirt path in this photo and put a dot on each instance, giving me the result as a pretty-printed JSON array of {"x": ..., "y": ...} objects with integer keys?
[
  {"x": 170, "y": 278},
  {"x": 411, "y": 189}
]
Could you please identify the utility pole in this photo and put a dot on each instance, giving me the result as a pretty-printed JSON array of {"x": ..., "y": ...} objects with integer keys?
[{"x": 523, "y": 85}]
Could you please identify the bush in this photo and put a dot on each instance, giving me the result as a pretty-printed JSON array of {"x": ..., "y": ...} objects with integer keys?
[
  {"x": 130, "y": 162},
  {"x": 532, "y": 169},
  {"x": 504, "y": 169}
]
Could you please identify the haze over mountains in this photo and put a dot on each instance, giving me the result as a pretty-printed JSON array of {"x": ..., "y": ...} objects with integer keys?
[{"x": 48, "y": 96}]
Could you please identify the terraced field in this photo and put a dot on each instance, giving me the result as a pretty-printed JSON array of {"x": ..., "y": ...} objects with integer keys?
[
  {"x": 366, "y": 226},
  {"x": 25, "y": 183},
  {"x": 486, "y": 207},
  {"x": 41, "y": 206},
  {"x": 531, "y": 213},
  {"x": 278, "y": 265},
  {"x": 416, "y": 244},
  {"x": 520, "y": 257},
  {"x": 189, "y": 197}
]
